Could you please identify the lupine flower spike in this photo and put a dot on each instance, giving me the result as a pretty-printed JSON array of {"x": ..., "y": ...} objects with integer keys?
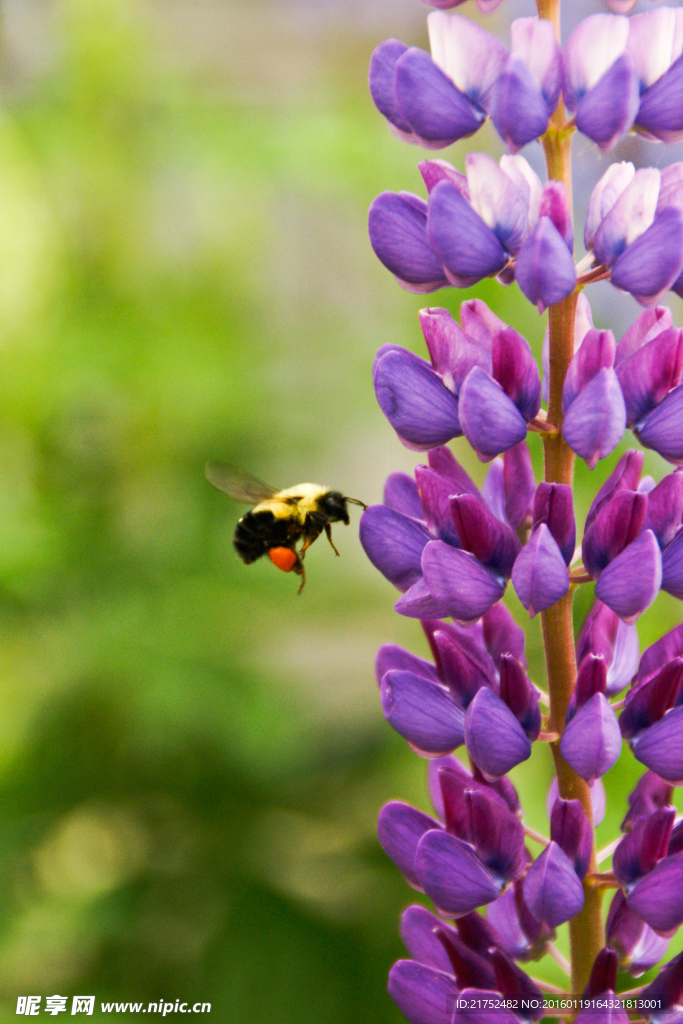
[{"x": 493, "y": 892}]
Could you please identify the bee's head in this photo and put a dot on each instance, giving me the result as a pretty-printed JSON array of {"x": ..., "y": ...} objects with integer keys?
[{"x": 333, "y": 504}]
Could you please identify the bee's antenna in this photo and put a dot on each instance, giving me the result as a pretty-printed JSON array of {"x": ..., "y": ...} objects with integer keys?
[{"x": 356, "y": 501}]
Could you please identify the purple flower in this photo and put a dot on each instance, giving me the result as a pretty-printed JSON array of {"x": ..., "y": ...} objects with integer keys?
[
  {"x": 652, "y": 720},
  {"x": 601, "y": 81},
  {"x": 639, "y": 947},
  {"x": 423, "y": 994},
  {"x": 413, "y": 397},
  {"x": 591, "y": 741},
  {"x": 545, "y": 268},
  {"x": 462, "y": 572},
  {"x": 592, "y": 401},
  {"x": 486, "y": 386},
  {"x": 494, "y": 407},
  {"x": 467, "y": 865},
  {"x": 605, "y": 634},
  {"x": 552, "y": 889},
  {"x": 475, "y": 231},
  {"x": 540, "y": 576},
  {"x": 631, "y": 582},
  {"x": 526, "y": 92},
  {"x": 650, "y": 795},
  {"x": 635, "y": 227},
  {"x": 653, "y": 881},
  {"x": 656, "y": 42},
  {"x": 521, "y": 936},
  {"x": 471, "y": 57},
  {"x": 601, "y": 986},
  {"x": 397, "y": 224},
  {"x": 420, "y": 102},
  {"x": 495, "y": 740}
]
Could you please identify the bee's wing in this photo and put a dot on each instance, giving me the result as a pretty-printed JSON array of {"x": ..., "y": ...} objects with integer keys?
[{"x": 239, "y": 485}]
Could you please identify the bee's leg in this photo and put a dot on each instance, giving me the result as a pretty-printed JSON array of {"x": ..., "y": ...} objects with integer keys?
[
  {"x": 300, "y": 571},
  {"x": 328, "y": 532}
]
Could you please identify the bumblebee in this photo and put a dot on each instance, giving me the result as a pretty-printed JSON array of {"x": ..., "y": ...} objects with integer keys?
[{"x": 280, "y": 519}]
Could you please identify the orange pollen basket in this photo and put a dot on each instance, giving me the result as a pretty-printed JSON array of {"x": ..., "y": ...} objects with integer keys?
[{"x": 283, "y": 558}]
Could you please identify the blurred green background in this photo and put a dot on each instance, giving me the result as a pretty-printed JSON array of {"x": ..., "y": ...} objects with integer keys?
[{"x": 191, "y": 757}]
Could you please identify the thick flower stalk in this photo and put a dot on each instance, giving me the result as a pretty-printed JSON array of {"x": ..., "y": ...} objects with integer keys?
[{"x": 498, "y": 890}]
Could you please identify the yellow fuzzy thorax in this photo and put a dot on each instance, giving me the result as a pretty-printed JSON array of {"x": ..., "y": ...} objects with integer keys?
[{"x": 308, "y": 494}]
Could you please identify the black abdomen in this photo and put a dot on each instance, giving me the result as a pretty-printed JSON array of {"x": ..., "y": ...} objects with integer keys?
[{"x": 257, "y": 532}]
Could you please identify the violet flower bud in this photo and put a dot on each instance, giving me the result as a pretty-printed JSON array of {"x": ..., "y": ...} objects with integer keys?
[
  {"x": 452, "y": 351},
  {"x": 649, "y": 374},
  {"x": 390, "y": 657},
  {"x": 467, "y": 248},
  {"x": 519, "y": 484},
  {"x": 591, "y": 742},
  {"x": 668, "y": 985},
  {"x": 463, "y": 667},
  {"x": 649, "y": 702},
  {"x": 457, "y": 582},
  {"x": 545, "y": 269},
  {"x": 521, "y": 936},
  {"x": 659, "y": 654},
  {"x": 473, "y": 234},
  {"x": 598, "y": 799},
  {"x": 520, "y": 696},
  {"x": 513, "y": 981},
  {"x": 661, "y": 429},
  {"x": 469, "y": 967},
  {"x": 442, "y": 461},
  {"x": 453, "y": 876},
  {"x": 502, "y": 635},
  {"x": 647, "y": 325},
  {"x": 553, "y": 505},
  {"x": 592, "y": 401},
  {"x": 539, "y": 575},
  {"x": 665, "y": 509},
  {"x": 491, "y": 421},
  {"x": 434, "y": 495},
  {"x": 572, "y": 831},
  {"x": 603, "y": 976},
  {"x": 552, "y": 889},
  {"x": 495, "y": 739},
  {"x": 658, "y": 896},
  {"x": 494, "y": 408},
  {"x": 632, "y": 580},
  {"x": 492, "y": 542}
]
